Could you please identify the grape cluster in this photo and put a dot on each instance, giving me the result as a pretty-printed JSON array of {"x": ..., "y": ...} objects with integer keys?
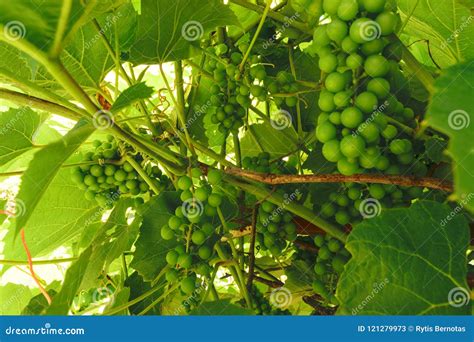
[
  {"x": 275, "y": 227},
  {"x": 108, "y": 177},
  {"x": 262, "y": 164},
  {"x": 192, "y": 225},
  {"x": 261, "y": 305},
  {"x": 330, "y": 261}
]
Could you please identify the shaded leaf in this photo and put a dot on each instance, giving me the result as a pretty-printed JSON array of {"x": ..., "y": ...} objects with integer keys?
[
  {"x": 131, "y": 95},
  {"x": 219, "y": 308}
]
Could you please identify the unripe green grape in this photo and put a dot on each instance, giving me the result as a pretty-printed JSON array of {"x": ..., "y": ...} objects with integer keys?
[
  {"x": 201, "y": 194},
  {"x": 348, "y": 10},
  {"x": 166, "y": 233},
  {"x": 390, "y": 132},
  {"x": 358, "y": 28},
  {"x": 337, "y": 30},
  {"x": 319, "y": 240},
  {"x": 374, "y": 6},
  {"x": 319, "y": 288},
  {"x": 342, "y": 99},
  {"x": 198, "y": 237},
  {"x": 370, "y": 132},
  {"x": 328, "y": 210},
  {"x": 328, "y": 63},
  {"x": 353, "y": 193},
  {"x": 326, "y": 101},
  {"x": 377, "y": 191},
  {"x": 289, "y": 228},
  {"x": 352, "y": 146},
  {"x": 324, "y": 253},
  {"x": 405, "y": 158},
  {"x": 185, "y": 195},
  {"x": 214, "y": 200},
  {"x": 184, "y": 260},
  {"x": 320, "y": 269},
  {"x": 379, "y": 86},
  {"x": 268, "y": 207},
  {"x": 366, "y": 102},
  {"x": 120, "y": 175},
  {"x": 272, "y": 228},
  {"x": 323, "y": 117},
  {"x": 351, "y": 117},
  {"x": 373, "y": 47},
  {"x": 342, "y": 218},
  {"x": 348, "y": 45},
  {"x": 331, "y": 6},
  {"x": 408, "y": 113},
  {"x": 214, "y": 177},
  {"x": 188, "y": 284},
  {"x": 334, "y": 245},
  {"x": 335, "y": 82},
  {"x": 89, "y": 180},
  {"x": 376, "y": 66},
  {"x": 291, "y": 101},
  {"x": 175, "y": 222},
  {"x": 335, "y": 118},
  {"x": 325, "y": 131},
  {"x": 338, "y": 264},
  {"x": 96, "y": 170},
  {"x": 347, "y": 167},
  {"x": 380, "y": 120},
  {"x": 354, "y": 61},
  {"x": 172, "y": 275},
  {"x": 342, "y": 200},
  {"x": 172, "y": 257},
  {"x": 400, "y": 146},
  {"x": 388, "y": 22}
]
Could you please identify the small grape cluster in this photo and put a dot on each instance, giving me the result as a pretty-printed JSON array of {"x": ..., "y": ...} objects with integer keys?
[
  {"x": 275, "y": 227},
  {"x": 262, "y": 306},
  {"x": 192, "y": 225},
  {"x": 262, "y": 164},
  {"x": 330, "y": 261},
  {"x": 107, "y": 177}
]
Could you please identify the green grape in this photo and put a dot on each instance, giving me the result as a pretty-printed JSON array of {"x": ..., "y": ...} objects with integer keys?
[
  {"x": 353, "y": 193},
  {"x": 374, "y": 6},
  {"x": 348, "y": 45},
  {"x": 373, "y": 47},
  {"x": 358, "y": 28},
  {"x": 400, "y": 146},
  {"x": 334, "y": 245},
  {"x": 337, "y": 30},
  {"x": 198, "y": 237},
  {"x": 96, "y": 170},
  {"x": 172, "y": 257},
  {"x": 208, "y": 228},
  {"x": 186, "y": 195},
  {"x": 331, "y": 6},
  {"x": 172, "y": 275},
  {"x": 335, "y": 82},
  {"x": 342, "y": 218},
  {"x": 348, "y": 10},
  {"x": 214, "y": 177},
  {"x": 377, "y": 191},
  {"x": 319, "y": 288},
  {"x": 328, "y": 210},
  {"x": 342, "y": 99},
  {"x": 167, "y": 233},
  {"x": 325, "y": 132},
  {"x": 379, "y": 86},
  {"x": 342, "y": 200},
  {"x": 188, "y": 284},
  {"x": 405, "y": 158},
  {"x": 390, "y": 132},
  {"x": 326, "y": 101},
  {"x": 204, "y": 252},
  {"x": 366, "y": 102},
  {"x": 347, "y": 167},
  {"x": 214, "y": 200},
  {"x": 388, "y": 22},
  {"x": 175, "y": 222},
  {"x": 324, "y": 253},
  {"x": 320, "y": 269},
  {"x": 351, "y": 117},
  {"x": 376, "y": 66},
  {"x": 184, "y": 260},
  {"x": 120, "y": 175},
  {"x": 319, "y": 240},
  {"x": 338, "y": 264},
  {"x": 370, "y": 132},
  {"x": 328, "y": 63},
  {"x": 354, "y": 61}
]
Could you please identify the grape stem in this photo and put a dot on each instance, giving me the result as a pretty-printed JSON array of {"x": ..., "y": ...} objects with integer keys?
[
  {"x": 273, "y": 179},
  {"x": 252, "y": 248}
]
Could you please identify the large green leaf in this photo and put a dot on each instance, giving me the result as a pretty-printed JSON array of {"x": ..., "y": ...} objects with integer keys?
[
  {"x": 167, "y": 29},
  {"x": 407, "y": 262},
  {"x": 14, "y": 298},
  {"x": 450, "y": 112},
  {"x": 447, "y": 25},
  {"x": 19, "y": 125},
  {"x": 72, "y": 282},
  {"x": 149, "y": 257},
  {"x": 44, "y": 167},
  {"x": 61, "y": 215}
]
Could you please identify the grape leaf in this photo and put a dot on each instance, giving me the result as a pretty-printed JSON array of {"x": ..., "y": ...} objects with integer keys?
[
  {"x": 72, "y": 282},
  {"x": 14, "y": 298},
  {"x": 20, "y": 124},
  {"x": 131, "y": 95},
  {"x": 434, "y": 149},
  {"x": 450, "y": 112},
  {"x": 406, "y": 262},
  {"x": 150, "y": 248},
  {"x": 447, "y": 25},
  {"x": 277, "y": 142},
  {"x": 38, "y": 304},
  {"x": 44, "y": 167},
  {"x": 137, "y": 288},
  {"x": 61, "y": 215},
  {"x": 167, "y": 29},
  {"x": 219, "y": 308}
]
